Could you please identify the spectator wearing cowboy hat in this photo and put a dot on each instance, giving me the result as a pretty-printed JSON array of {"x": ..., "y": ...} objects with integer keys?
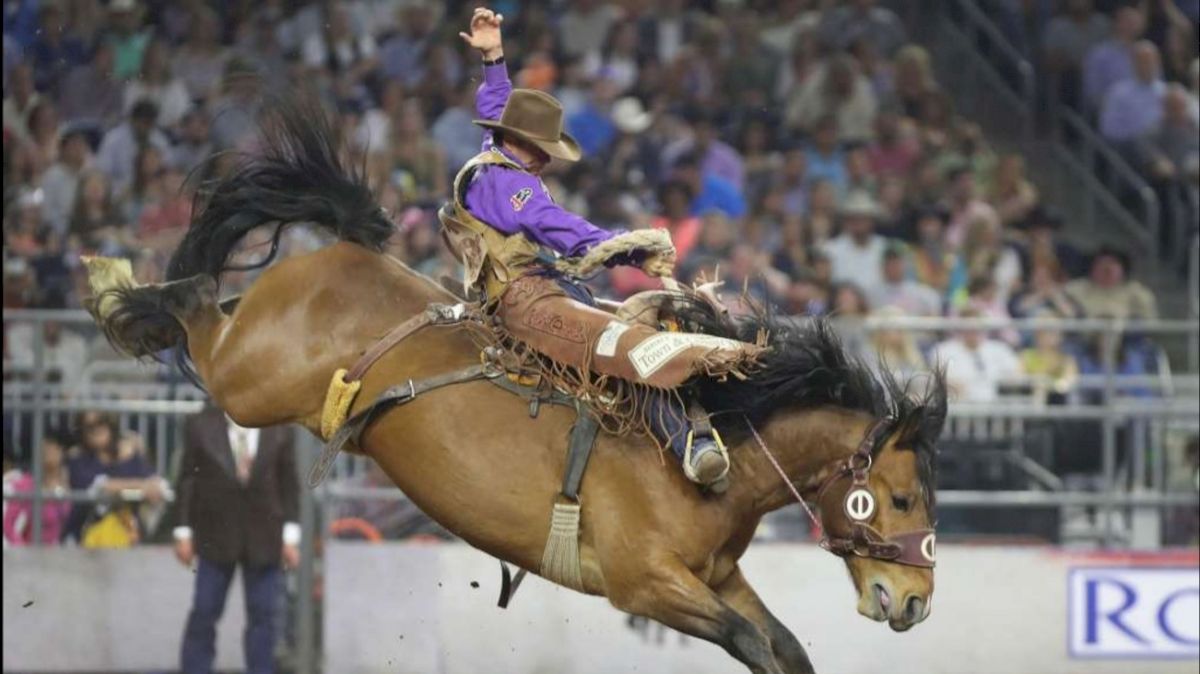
[
  {"x": 857, "y": 253},
  {"x": 1108, "y": 292}
]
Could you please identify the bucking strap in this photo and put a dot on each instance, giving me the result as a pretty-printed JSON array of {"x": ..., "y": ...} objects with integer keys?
[{"x": 579, "y": 449}]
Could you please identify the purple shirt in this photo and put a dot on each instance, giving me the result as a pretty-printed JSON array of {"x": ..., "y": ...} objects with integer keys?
[
  {"x": 1106, "y": 64},
  {"x": 1131, "y": 108},
  {"x": 517, "y": 202}
]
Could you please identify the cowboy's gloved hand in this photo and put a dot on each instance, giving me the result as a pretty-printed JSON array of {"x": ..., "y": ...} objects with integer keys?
[
  {"x": 485, "y": 32},
  {"x": 660, "y": 264}
]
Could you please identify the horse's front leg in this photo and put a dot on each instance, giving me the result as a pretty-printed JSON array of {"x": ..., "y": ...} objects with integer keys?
[
  {"x": 667, "y": 591},
  {"x": 790, "y": 655}
]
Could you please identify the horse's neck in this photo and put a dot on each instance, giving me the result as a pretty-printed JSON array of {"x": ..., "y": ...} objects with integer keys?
[{"x": 806, "y": 446}]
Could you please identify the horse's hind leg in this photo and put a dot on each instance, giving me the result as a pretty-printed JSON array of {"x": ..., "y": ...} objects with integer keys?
[
  {"x": 788, "y": 652},
  {"x": 674, "y": 596}
]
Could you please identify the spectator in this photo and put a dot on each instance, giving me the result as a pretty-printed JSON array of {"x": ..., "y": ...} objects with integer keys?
[
  {"x": 592, "y": 125},
  {"x": 119, "y": 149},
  {"x": 200, "y": 61},
  {"x": 43, "y": 140},
  {"x": 148, "y": 167},
  {"x": 963, "y": 205},
  {"x": 1047, "y": 360},
  {"x": 1012, "y": 195},
  {"x": 19, "y": 101},
  {"x": 238, "y": 506},
  {"x": 129, "y": 44},
  {"x": 984, "y": 299},
  {"x": 166, "y": 214},
  {"x": 896, "y": 290},
  {"x": 1042, "y": 295},
  {"x": 1133, "y": 107},
  {"x": 824, "y": 157},
  {"x": 337, "y": 50},
  {"x": 857, "y": 253},
  {"x": 893, "y": 151},
  {"x": 1066, "y": 41},
  {"x": 618, "y": 59},
  {"x": 1108, "y": 292},
  {"x": 717, "y": 158},
  {"x": 232, "y": 124},
  {"x": 419, "y": 167},
  {"x": 792, "y": 185},
  {"x": 107, "y": 464},
  {"x": 61, "y": 180},
  {"x": 18, "y": 515},
  {"x": 914, "y": 82},
  {"x": 712, "y": 192},
  {"x": 64, "y": 352},
  {"x": 193, "y": 146},
  {"x": 674, "y": 198},
  {"x": 1170, "y": 152},
  {"x": 402, "y": 55},
  {"x": 453, "y": 130},
  {"x": 95, "y": 224},
  {"x": 633, "y": 160},
  {"x": 91, "y": 94},
  {"x": 895, "y": 349},
  {"x": 987, "y": 256},
  {"x": 158, "y": 86},
  {"x": 848, "y": 313},
  {"x": 1042, "y": 246},
  {"x": 1111, "y": 61},
  {"x": 836, "y": 89},
  {"x": 976, "y": 366},
  {"x": 585, "y": 26},
  {"x": 55, "y": 51},
  {"x": 862, "y": 19}
]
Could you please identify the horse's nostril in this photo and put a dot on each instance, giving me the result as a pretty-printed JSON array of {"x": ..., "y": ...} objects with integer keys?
[{"x": 913, "y": 608}]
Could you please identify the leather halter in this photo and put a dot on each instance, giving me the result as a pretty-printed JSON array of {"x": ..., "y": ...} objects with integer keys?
[{"x": 859, "y": 506}]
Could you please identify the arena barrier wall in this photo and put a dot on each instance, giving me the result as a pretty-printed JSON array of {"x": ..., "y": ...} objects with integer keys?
[
  {"x": 414, "y": 609},
  {"x": 72, "y": 610},
  {"x": 409, "y": 608}
]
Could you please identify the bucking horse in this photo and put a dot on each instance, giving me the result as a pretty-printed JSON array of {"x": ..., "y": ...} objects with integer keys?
[{"x": 810, "y": 423}]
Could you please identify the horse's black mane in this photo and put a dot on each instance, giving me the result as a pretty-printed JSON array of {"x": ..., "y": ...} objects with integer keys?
[{"x": 807, "y": 367}]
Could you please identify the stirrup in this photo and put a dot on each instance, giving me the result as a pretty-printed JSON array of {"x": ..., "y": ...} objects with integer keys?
[{"x": 687, "y": 458}]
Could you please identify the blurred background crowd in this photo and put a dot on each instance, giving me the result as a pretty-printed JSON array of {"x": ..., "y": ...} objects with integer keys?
[{"x": 801, "y": 150}]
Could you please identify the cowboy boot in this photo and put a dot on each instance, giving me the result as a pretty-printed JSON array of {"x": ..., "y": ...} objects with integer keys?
[{"x": 705, "y": 459}]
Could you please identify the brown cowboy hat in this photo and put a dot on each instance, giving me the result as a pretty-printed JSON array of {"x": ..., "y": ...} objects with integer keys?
[{"x": 536, "y": 117}]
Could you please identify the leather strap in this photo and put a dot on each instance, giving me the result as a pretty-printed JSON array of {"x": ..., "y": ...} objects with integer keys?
[
  {"x": 352, "y": 430},
  {"x": 434, "y": 314},
  {"x": 508, "y": 583},
  {"x": 579, "y": 449}
]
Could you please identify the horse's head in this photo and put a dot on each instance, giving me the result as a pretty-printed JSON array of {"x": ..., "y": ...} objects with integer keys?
[{"x": 878, "y": 515}]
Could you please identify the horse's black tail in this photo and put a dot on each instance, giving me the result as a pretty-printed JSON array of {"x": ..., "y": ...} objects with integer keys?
[{"x": 299, "y": 177}]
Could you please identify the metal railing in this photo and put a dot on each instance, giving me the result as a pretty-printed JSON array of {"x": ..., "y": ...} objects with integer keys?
[
  {"x": 992, "y": 61},
  {"x": 1106, "y": 177}
]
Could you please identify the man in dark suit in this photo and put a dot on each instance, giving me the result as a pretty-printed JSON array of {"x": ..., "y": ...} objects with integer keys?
[{"x": 238, "y": 495}]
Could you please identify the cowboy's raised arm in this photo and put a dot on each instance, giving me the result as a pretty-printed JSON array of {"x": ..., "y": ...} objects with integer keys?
[{"x": 494, "y": 90}]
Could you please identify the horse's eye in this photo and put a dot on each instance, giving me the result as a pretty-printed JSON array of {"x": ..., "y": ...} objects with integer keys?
[{"x": 900, "y": 503}]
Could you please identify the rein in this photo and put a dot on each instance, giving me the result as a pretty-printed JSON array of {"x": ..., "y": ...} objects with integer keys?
[{"x": 911, "y": 548}]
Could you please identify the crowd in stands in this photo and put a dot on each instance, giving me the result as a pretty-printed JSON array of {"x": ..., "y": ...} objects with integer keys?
[
  {"x": 93, "y": 456},
  {"x": 1131, "y": 68},
  {"x": 803, "y": 150}
]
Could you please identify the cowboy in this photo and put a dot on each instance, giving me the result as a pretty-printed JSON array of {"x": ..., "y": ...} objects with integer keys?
[{"x": 515, "y": 243}]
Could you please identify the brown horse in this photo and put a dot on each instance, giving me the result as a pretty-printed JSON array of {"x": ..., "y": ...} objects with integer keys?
[{"x": 472, "y": 458}]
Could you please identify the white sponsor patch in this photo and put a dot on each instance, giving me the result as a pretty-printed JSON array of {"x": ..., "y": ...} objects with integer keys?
[
  {"x": 607, "y": 344},
  {"x": 656, "y": 351}
]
